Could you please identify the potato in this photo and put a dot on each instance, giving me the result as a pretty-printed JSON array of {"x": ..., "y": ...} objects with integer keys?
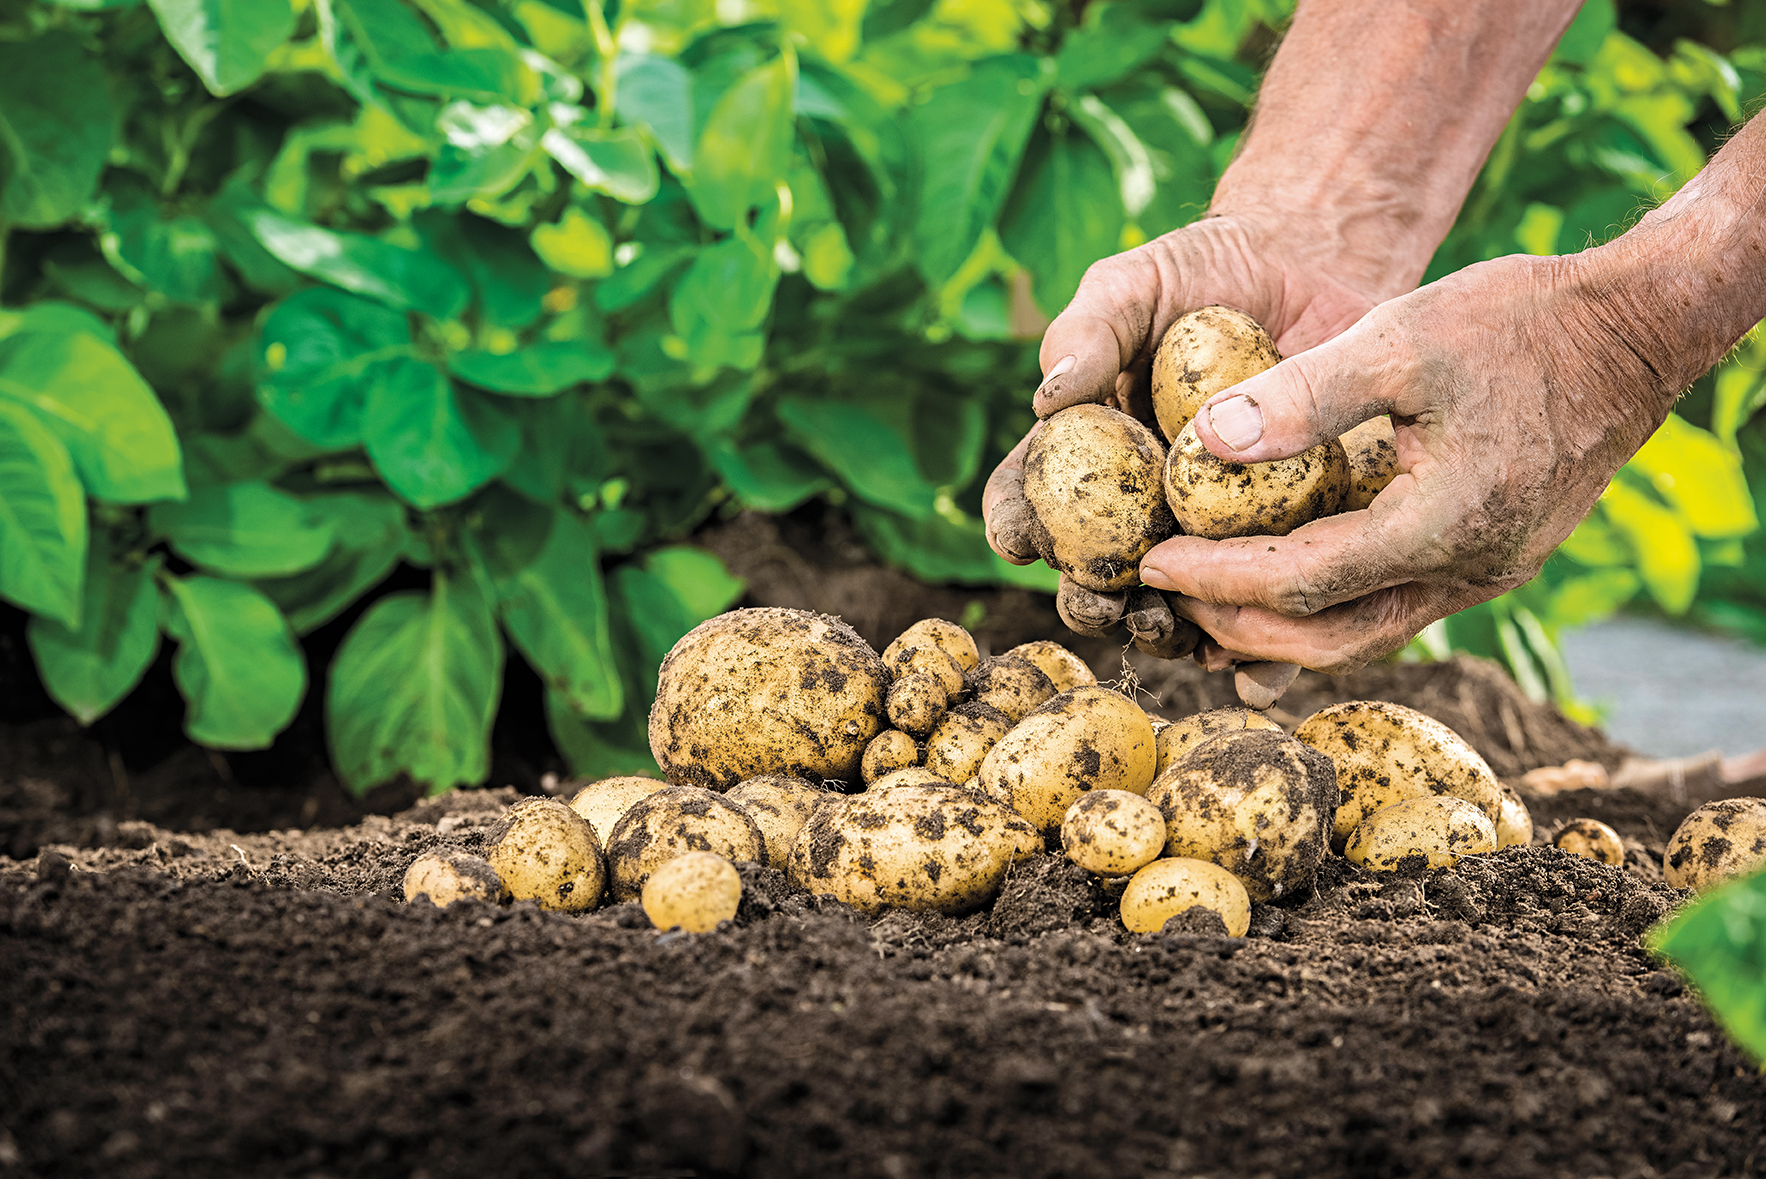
[
  {"x": 1719, "y": 840},
  {"x": 1258, "y": 803},
  {"x": 1218, "y": 498},
  {"x": 673, "y": 822},
  {"x": 1202, "y": 353},
  {"x": 888, "y": 751},
  {"x": 1433, "y": 832},
  {"x": 936, "y": 849},
  {"x": 1514, "y": 824},
  {"x": 929, "y": 661},
  {"x": 1591, "y": 839},
  {"x": 1175, "y": 740},
  {"x": 1112, "y": 832},
  {"x": 444, "y": 876},
  {"x": 543, "y": 851},
  {"x": 601, "y": 803},
  {"x": 1092, "y": 477},
  {"x": 765, "y": 691},
  {"x": 1387, "y": 753},
  {"x": 693, "y": 892},
  {"x": 916, "y": 703},
  {"x": 911, "y": 776},
  {"x": 1165, "y": 888},
  {"x": 1090, "y": 738},
  {"x": 1064, "y": 668},
  {"x": 956, "y": 747},
  {"x": 1015, "y": 686},
  {"x": 1372, "y": 450},
  {"x": 948, "y": 637},
  {"x": 780, "y": 806}
]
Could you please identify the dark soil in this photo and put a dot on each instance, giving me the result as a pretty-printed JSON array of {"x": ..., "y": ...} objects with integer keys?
[{"x": 181, "y": 1001}]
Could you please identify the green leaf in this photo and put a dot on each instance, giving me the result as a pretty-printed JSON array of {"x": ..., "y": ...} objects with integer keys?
[
  {"x": 727, "y": 291},
  {"x": 605, "y": 750},
  {"x": 509, "y": 283},
  {"x": 698, "y": 579},
  {"x": 1667, "y": 556},
  {"x": 538, "y": 370},
  {"x": 488, "y": 151},
  {"x": 1719, "y": 941},
  {"x": 227, "y": 42},
  {"x": 241, "y": 674},
  {"x": 176, "y": 256},
  {"x": 971, "y": 135},
  {"x": 322, "y": 352},
  {"x": 1064, "y": 214},
  {"x": 766, "y": 476},
  {"x": 618, "y": 163},
  {"x": 1129, "y": 157},
  {"x": 866, "y": 451},
  {"x": 578, "y": 245},
  {"x": 370, "y": 533},
  {"x": 247, "y": 529},
  {"x": 1113, "y": 42},
  {"x": 55, "y": 127},
  {"x": 744, "y": 152},
  {"x": 656, "y": 93},
  {"x": 431, "y": 441},
  {"x": 87, "y": 669},
  {"x": 42, "y": 519},
  {"x": 1700, "y": 478},
  {"x": 410, "y": 280},
  {"x": 939, "y": 550},
  {"x": 414, "y": 688},
  {"x": 1582, "y": 40}
]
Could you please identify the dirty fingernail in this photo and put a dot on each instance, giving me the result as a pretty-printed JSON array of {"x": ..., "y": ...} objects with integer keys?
[
  {"x": 1155, "y": 577},
  {"x": 1238, "y": 421},
  {"x": 1062, "y": 367}
]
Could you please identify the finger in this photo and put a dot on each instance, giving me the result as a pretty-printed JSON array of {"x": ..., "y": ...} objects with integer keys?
[
  {"x": 1156, "y": 629},
  {"x": 1010, "y": 521},
  {"x": 1340, "y": 639},
  {"x": 1100, "y": 333},
  {"x": 1087, "y": 612},
  {"x": 1260, "y": 685}
]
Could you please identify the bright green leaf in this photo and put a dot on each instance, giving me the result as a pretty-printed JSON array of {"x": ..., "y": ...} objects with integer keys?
[
  {"x": 1719, "y": 941},
  {"x": 697, "y": 578},
  {"x": 605, "y": 750},
  {"x": 177, "y": 256},
  {"x": 868, "y": 453},
  {"x": 1667, "y": 556},
  {"x": 618, "y": 163},
  {"x": 321, "y": 351},
  {"x": 766, "y": 476},
  {"x": 939, "y": 550},
  {"x": 1128, "y": 155},
  {"x": 55, "y": 128},
  {"x": 227, "y": 42},
  {"x": 578, "y": 245},
  {"x": 509, "y": 283},
  {"x": 370, "y": 533},
  {"x": 247, "y": 529},
  {"x": 744, "y": 152},
  {"x": 1583, "y": 39},
  {"x": 87, "y": 669},
  {"x": 241, "y": 674},
  {"x": 538, "y": 370},
  {"x": 1700, "y": 478},
  {"x": 42, "y": 519},
  {"x": 488, "y": 151},
  {"x": 1064, "y": 214},
  {"x": 431, "y": 441},
  {"x": 1113, "y": 42},
  {"x": 410, "y": 280},
  {"x": 657, "y": 93},
  {"x": 728, "y": 289}
]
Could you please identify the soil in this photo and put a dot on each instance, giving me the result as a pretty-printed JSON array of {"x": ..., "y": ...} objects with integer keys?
[{"x": 196, "y": 984}]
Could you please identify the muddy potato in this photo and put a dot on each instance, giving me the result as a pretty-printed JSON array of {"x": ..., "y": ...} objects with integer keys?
[
  {"x": 948, "y": 637},
  {"x": 1434, "y": 831},
  {"x": 1387, "y": 753},
  {"x": 693, "y": 892},
  {"x": 1085, "y": 739},
  {"x": 888, "y": 751},
  {"x": 1217, "y": 498},
  {"x": 916, "y": 703},
  {"x": 1015, "y": 686},
  {"x": 1112, "y": 832},
  {"x": 936, "y": 848},
  {"x": 1092, "y": 476},
  {"x": 1064, "y": 668},
  {"x": 444, "y": 876},
  {"x": 779, "y": 805},
  {"x": 956, "y": 747},
  {"x": 1175, "y": 740},
  {"x": 1165, "y": 888},
  {"x": 1591, "y": 839},
  {"x": 673, "y": 822},
  {"x": 603, "y": 802},
  {"x": 927, "y": 661},
  {"x": 1514, "y": 823},
  {"x": 1202, "y": 353},
  {"x": 1258, "y": 803},
  {"x": 1719, "y": 840},
  {"x": 767, "y": 691},
  {"x": 543, "y": 851},
  {"x": 911, "y": 776},
  {"x": 1372, "y": 450}
]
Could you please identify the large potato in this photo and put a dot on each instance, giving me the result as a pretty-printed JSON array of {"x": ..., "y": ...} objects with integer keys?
[
  {"x": 1112, "y": 832},
  {"x": 1719, "y": 840},
  {"x": 767, "y": 691},
  {"x": 1372, "y": 450},
  {"x": 603, "y": 802},
  {"x": 1386, "y": 753},
  {"x": 1431, "y": 832},
  {"x": 1015, "y": 686},
  {"x": 1064, "y": 668},
  {"x": 543, "y": 851},
  {"x": 1177, "y": 738},
  {"x": 444, "y": 876},
  {"x": 948, "y": 637},
  {"x": 1202, "y": 353},
  {"x": 1090, "y": 738},
  {"x": 1258, "y": 803},
  {"x": 1218, "y": 498},
  {"x": 780, "y": 806},
  {"x": 673, "y": 822},
  {"x": 936, "y": 849},
  {"x": 1165, "y": 888},
  {"x": 1092, "y": 476},
  {"x": 956, "y": 747}
]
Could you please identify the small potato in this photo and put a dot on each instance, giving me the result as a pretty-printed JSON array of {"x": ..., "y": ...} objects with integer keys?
[
  {"x": 937, "y": 849},
  {"x": 1591, "y": 839},
  {"x": 948, "y": 637},
  {"x": 1217, "y": 498},
  {"x": 444, "y": 876},
  {"x": 1085, "y": 739},
  {"x": 1092, "y": 476},
  {"x": 1258, "y": 803},
  {"x": 1112, "y": 832},
  {"x": 780, "y": 806},
  {"x": 1387, "y": 753},
  {"x": 673, "y": 822},
  {"x": 1719, "y": 840},
  {"x": 543, "y": 851},
  {"x": 693, "y": 892},
  {"x": 1177, "y": 738},
  {"x": 1064, "y": 668},
  {"x": 917, "y": 703},
  {"x": 1015, "y": 686},
  {"x": 1165, "y": 888},
  {"x": 1372, "y": 449},
  {"x": 1514, "y": 823},
  {"x": 911, "y": 776},
  {"x": 1434, "y": 832},
  {"x": 603, "y": 802},
  {"x": 956, "y": 747},
  {"x": 1202, "y": 353},
  {"x": 888, "y": 751},
  {"x": 929, "y": 661}
]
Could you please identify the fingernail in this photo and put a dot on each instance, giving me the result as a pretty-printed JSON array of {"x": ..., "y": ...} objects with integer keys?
[
  {"x": 1237, "y": 421},
  {"x": 1150, "y": 575},
  {"x": 1062, "y": 367}
]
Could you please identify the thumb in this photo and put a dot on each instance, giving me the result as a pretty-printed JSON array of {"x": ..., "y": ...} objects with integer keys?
[
  {"x": 1305, "y": 400},
  {"x": 1091, "y": 345}
]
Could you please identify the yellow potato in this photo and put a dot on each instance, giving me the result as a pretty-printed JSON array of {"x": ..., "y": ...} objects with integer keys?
[
  {"x": 444, "y": 876},
  {"x": 673, "y": 822},
  {"x": 1064, "y": 668},
  {"x": 603, "y": 802},
  {"x": 1387, "y": 753},
  {"x": 1015, "y": 686},
  {"x": 693, "y": 892},
  {"x": 948, "y": 637},
  {"x": 1165, "y": 888},
  {"x": 1431, "y": 832},
  {"x": 1202, "y": 353},
  {"x": 780, "y": 806},
  {"x": 1591, "y": 839},
  {"x": 1514, "y": 824},
  {"x": 927, "y": 661},
  {"x": 1217, "y": 498},
  {"x": 1372, "y": 449},
  {"x": 1112, "y": 832},
  {"x": 1719, "y": 840},
  {"x": 1090, "y": 738},
  {"x": 916, "y": 703},
  {"x": 888, "y": 751},
  {"x": 956, "y": 747},
  {"x": 543, "y": 851},
  {"x": 767, "y": 691},
  {"x": 1177, "y": 738},
  {"x": 911, "y": 776}
]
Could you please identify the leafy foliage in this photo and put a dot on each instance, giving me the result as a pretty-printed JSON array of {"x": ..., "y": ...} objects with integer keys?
[{"x": 1719, "y": 941}]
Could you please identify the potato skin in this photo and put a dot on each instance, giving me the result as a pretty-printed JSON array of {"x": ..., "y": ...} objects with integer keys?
[
  {"x": 937, "y": 849},
  {"x": 947, "y": 636},
  {"x": 916, "y": 703},
  {"x": 957, "y": 746},
  {"x": 1216, "y": 498},
  {"x": 545, "y": 852},
  {"x": 673, "y": 822},
  {"x": 603, "y": 802},
  {"x": 911, "y": 776},
  {"x": 1201, "y": 353},
  {"x": 1016, "y": 687},
  {"x": 1592, "y": 840},
  {"x": 767, "y": 691},
  {"x": 1258, "y": 803},
  {"x": 1092, "y": 476},
  {"x": 694, "y": 892},
  {"x": 1112, "y": 832},
  {"x": 1514, "y": 823},
  {"x": 1090, "y": 738},
  {"x": 1432, "y": 832},
  {"x": 1177, "y": 738},
  {"x": 779, "y": 806},
  {"x": 1064, "y": 668},
  {"x": 928, "y": 661},
  {"x": 444, "y": 876},
  {"x": 1719, "y": 840},
  {"x": 1165, "y": 888},
  {"x": 1372, "y": 450},
  {"x": 888, "y": 751}
]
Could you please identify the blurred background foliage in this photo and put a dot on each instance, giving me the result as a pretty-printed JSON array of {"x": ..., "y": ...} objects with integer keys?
[{"x": 444, "y": 323}]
